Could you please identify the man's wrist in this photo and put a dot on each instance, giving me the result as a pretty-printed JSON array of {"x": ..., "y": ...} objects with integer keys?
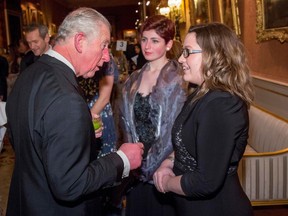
[{"x": 126, "y": 162}]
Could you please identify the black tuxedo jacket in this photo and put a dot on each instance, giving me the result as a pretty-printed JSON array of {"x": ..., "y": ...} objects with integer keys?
[
  {"x": 28, "y": 59},
  {"x": 56, "y": 171}
]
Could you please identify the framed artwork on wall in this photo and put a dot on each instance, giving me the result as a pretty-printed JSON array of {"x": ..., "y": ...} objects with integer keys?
[
  {"x": 200, "y": 11},
  {"x": 52, "y": 29},
  {"x": 13, "y": 26},
  {"x": 229, "y": 14},
  {"x": 182, "y": 11},
  {"x": 129, "y": 33},
  {"x": 272, "y": 20},
  {"x": 33, "y": 16},
  {"x": 41, "y": 18},
  {"x": 25, "y": 17}
]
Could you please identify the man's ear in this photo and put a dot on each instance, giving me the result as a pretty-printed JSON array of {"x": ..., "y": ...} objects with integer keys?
[{"x": 78, "y": 42}]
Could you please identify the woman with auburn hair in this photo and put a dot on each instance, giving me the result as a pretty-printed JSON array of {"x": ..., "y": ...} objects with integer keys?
[
  {"x": 152, "y": 97},
  {"x": 210, "y": 134}
]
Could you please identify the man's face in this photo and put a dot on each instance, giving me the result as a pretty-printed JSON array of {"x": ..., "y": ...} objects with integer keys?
[
  {"x": 36, "y": 43},
  {"x": 94, "y": 54}
]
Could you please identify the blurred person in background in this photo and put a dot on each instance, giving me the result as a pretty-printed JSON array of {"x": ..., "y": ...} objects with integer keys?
[
  {"x": 4, "y": 69},
  {"x": 37, "y": 38},
  {"x": 139, "y": 59},
  {"x": 176, "y": 50},
  {"x": 27, "y": 56},
  {"x": 14, "y": 66},
  {"x": 97, "y": 91}
]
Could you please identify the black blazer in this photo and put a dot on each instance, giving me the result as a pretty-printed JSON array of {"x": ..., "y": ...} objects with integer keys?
[
  {"x": 214, "y": 131},
  {"x": 56, "y": 171}
]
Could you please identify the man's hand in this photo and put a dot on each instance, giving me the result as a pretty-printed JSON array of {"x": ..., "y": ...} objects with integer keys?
[{"x": 133, "y": 152}]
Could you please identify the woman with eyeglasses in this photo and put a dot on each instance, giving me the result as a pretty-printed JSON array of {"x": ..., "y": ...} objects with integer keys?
[
  {"x": 210, "y": 134},
  {"x": 152, "y": 97}
]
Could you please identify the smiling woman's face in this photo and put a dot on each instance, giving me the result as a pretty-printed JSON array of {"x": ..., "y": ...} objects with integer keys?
[{"x": 192, "y": 65}]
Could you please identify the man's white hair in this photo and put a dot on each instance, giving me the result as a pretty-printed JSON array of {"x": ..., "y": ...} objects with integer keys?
[{"x": 85, "y": 20}]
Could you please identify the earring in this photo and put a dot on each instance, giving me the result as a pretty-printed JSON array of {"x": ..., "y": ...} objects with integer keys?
[{"x": 167, "y": 48}]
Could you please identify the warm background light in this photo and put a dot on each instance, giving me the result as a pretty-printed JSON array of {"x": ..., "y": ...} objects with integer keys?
[
  {"x": 174, "y": 3},
  {"x": 164, "y": 11}
]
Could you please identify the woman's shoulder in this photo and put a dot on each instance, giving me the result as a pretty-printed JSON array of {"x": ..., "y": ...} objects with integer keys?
[
  {"x": 216, "y": 100},
  {"x": 172, "y": 71}
]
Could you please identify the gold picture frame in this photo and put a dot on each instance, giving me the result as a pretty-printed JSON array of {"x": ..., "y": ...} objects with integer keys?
[
  {"x": 129, "y": 33},
  {"x": 25, "y": 16},
  {"x": 200, "y": 11},
  {"x": 41, "y": 18},
  {"x": 270, "y": 22},
  {"x": 229, "y": 14},
  {"x": 33, "y": 16},
  {"x": 52, "y": 29},
  {"x": 13, "y": 23}
]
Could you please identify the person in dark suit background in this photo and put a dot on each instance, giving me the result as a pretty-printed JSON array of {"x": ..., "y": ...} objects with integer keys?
[
  {"x": 4, "y": 69},
  {"x": 35, "y": 44},
  {"x": 37, "y": 37},
  {"x": 27, "y": 55},
  {"x": 50, "y": 127}
]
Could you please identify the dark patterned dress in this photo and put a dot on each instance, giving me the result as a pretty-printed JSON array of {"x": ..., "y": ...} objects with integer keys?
[
  {"x": 144, "y": 127},
  {"x": 90, "y": 89},
  {"x": 143, "y": 190}
]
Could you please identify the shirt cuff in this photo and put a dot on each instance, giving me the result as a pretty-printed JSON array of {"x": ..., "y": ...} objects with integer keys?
[{"x": 126, "y": 162}]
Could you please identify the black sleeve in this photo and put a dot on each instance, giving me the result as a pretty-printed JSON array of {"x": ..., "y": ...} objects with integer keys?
[
  {"x": 68, "y": 149},
  {"x": 219, "y": 124}
]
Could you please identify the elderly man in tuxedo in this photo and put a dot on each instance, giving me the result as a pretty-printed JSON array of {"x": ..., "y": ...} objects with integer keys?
[{"x": 56, "y": 171}]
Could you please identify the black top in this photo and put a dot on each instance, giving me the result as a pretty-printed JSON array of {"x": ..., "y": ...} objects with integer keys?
[
  {"x": 144, "y": 126},
  {"x": 209, "y": 137}
]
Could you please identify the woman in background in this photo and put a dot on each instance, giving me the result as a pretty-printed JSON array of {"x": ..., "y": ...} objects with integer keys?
[
  {"x": 210, "y": 134},
  {"x": 175, "y": 51},
  {"x": 97, "y": 92},
  {"x": 139, "y": 59},
  {"x": 152, "y": 97}
]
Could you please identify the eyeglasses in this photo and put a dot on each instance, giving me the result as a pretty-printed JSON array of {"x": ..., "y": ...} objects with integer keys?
[{"x": 186, "y": 52}]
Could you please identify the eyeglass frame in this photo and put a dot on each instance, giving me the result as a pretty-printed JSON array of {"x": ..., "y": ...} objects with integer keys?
[{"x": 186, "y": 52}]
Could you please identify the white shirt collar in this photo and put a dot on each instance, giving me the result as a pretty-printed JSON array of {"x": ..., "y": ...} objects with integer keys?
[{"x": 61, "y": 58}]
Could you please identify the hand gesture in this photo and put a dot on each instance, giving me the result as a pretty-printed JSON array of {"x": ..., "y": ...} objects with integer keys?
[
  {"x": 162, "y": 175},
  {"x": 133, "y": 152}
]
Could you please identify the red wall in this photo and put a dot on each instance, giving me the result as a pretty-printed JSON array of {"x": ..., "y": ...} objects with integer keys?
[{"x": 267, "y": 59}]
